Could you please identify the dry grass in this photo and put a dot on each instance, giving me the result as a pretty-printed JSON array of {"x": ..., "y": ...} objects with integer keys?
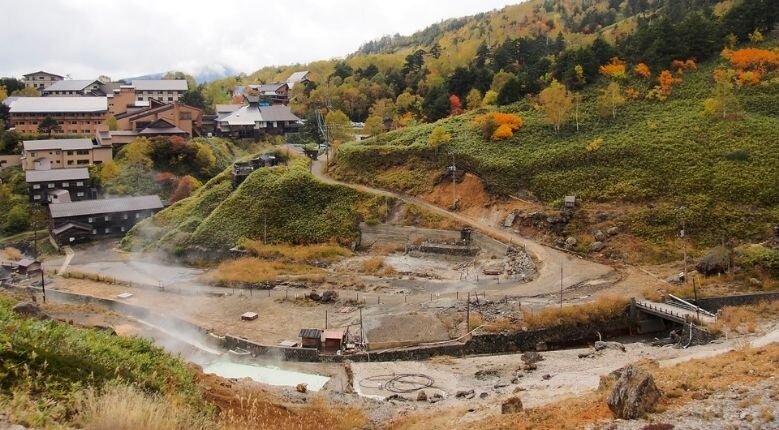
[
  {"x": 603, "y": 309},
  {"x": 250, "y": 270},
  {"x": 377, "y": 266},
  {"x": 259, "y": 412},
  {"x": 745, "y": 319},
  {"x": 10, "y": 254},
  {"x": 319, "y": 253},
  {"x": 384, "y": 249},
  {"x": 122, "y": 407},
  {"x": 744, "y": 367}
]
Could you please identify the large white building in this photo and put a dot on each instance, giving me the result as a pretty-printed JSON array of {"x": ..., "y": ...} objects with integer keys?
[{"x": 164, "y": 90}]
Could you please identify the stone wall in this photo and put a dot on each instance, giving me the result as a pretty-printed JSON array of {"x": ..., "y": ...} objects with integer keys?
[
  {"x": 714, "y": 304},
  {"x": 278, "y": 352}
]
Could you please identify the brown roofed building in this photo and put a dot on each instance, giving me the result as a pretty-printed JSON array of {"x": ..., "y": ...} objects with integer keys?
[{"x": 169, "y": 119}]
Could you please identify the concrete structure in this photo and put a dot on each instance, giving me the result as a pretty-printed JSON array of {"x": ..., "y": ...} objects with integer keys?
[
  {"x": 74, "y": 87},
  {"x": 75, "y": 115},
  {"x": 7, "y": 161},
  {"x": 164, "y": 90},
  {"x": 63, "y": 153},
  {"x": 82, "y": 221},
  {"x": 41, "y": 80},
  {"x": 42, "y": 183}
]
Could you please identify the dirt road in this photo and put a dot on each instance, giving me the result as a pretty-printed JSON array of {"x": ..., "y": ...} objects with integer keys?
[{"x": 575, "y": 271}]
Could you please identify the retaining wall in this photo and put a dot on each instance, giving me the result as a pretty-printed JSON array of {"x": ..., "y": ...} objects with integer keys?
[{"x": 714, "y": 304}]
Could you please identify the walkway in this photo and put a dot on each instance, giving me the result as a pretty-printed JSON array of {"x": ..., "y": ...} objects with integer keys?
[
  {"x": 575, "y": 270},
  {"x": 673, "y": 313}
]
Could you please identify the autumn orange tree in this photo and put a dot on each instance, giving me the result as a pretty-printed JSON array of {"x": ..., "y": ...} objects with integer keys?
[
  {"x": 642, "y": 70},
  {"x": 752, "y": 59},
  {"x": 680, "y": 66},
  {"x": 499, "y": 125},
  {"x": 616, "y": 69},
  {"x": 665, "y": 83}
]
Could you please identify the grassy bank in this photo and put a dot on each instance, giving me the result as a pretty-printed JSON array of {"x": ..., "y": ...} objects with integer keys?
[
  {"x": 654, "y": 156},
  {"x": 285, "y": 204}
]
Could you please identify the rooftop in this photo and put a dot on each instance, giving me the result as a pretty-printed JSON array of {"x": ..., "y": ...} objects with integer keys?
[
  {"x": 61, "y": 144},
  {"x": 310, "y": 332},
  {"x": 56, "y": 175},
  {"x": 92, "y": 207},
  {"x": 70, "y": 85},
  {"x": 41, "y": 72},
  {"x": 59, "y": 104},
  {"x": 252, "y": 113},
  {"x": 297, "y": 76},
  {"x": 160, "y": 84}
]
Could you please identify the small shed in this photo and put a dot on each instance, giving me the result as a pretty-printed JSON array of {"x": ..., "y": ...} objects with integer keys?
[
  {"x": 310, "y": 337},
  {"x": 28, "y": 266},
  {"x": 332, "y": 339},
  {"x": 569, "y": 202}
]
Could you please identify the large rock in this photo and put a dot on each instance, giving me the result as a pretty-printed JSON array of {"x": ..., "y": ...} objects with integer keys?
[
  {"x": 512, "y": 405},
  {"x": 598, "y": 235},
  {"x": 715, "y": 261},
  {"x": 596, "y": 246},
  {"x": 29, "y": 309},
  {"x": 601, "y": 345},
  {"x": 570, "y": 242},
  {"x": 612, "y": 231},
  {"x": 634, "y": 393}
]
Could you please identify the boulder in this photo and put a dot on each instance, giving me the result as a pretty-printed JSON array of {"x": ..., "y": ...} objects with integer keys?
[
  {"x": 570, "y": 242},
  {"x": 531, "y": 357},
  {"x": 465, "y": 394},
  {"x": 634, "y": 393},
  {"x": 484, "y": 395},
  {"x": 715, "y": 261},
  {"x": 598, "y": 235},
  {"x": 301, "y": 388},
  {"x": 436, "y": 397},
  {"x": 29, "y": 309},
  {"x": 601, "y": 345},
  {"x": 422, "y": 396},
  {"x": 756, "y": 282},
  {"x": 512, "y": 405},
  {"x": 596, "y": 246},
  {"x": 329, "y": 296},
  {"x": 612, "y": 231}
]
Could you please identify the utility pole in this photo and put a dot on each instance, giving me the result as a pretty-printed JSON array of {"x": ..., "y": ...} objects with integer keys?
[
  {"x": 697, "y": 305},
  {"x": 43, "y": 285},
  {"x": 325, "y": 320},
  {"x": 265, "y": 229},
  {"x": 468, "y": 315},
  {"x": 683, "y": 235},
  {"x": 561, "y": 286},
  {"x": 453, "y": 168},
  {"x": 362, "y": 332}
]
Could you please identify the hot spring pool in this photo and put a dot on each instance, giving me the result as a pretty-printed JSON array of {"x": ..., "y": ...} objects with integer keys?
[{"x": 266, "y": 375}]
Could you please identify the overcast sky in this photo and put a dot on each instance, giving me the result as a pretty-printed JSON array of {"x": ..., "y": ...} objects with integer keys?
[{"x": 87, "y": 38}]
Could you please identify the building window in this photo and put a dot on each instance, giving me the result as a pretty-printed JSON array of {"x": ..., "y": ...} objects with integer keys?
[
  {"x": 107, "y": 218},
  {"x": 49, "y": 186},
  {"x": 80, "y": 184},
  {"x": 122, "y": 229},
  {"x": 65, "y": 184},
  {"x": 107, "y": 230},
  {"x": 82, "y": 152},
  {"x": 70, "y": 162},
  {"x": 185, "y": 115},
  {"x": 94, "y": 231},
  {"x": 82, "y": 162},
  {"x": 80, "y": 194},
  {"x": 170, "y": 99},
  {"x": 36, "y": 197},
  {"x": 90, "y": 219},
  {"x": 124, "y": 216},
  {"x": 36, "y": 187},
  {"x": 137, "y": 215}
]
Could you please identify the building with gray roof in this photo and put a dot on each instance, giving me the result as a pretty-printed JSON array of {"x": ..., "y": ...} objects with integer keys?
[{"x": 74, "y": 87}]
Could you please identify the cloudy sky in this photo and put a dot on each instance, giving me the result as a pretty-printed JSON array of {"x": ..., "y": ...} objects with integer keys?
[{"x": 87, "y": 38}]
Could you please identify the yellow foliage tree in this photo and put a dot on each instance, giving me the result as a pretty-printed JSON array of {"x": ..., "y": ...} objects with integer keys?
[
  {"x": 556, "y": 102},
  {"x": 473, "y": 99},
  {"x": 108, "y": 171},
  {"x": 610, "y": 99},
  {"x": 490, "y": 98}
]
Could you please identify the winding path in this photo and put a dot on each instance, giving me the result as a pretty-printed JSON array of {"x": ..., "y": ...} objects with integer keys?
[{"x": 576, "y": 271}]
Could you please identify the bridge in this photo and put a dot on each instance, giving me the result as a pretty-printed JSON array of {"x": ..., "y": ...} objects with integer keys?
[{"x": 679, "y": 311}]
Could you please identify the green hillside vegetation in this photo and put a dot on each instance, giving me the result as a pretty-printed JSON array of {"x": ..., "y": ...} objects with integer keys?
[
  {"x": 46, "y": 367},
  {"x": 656, "y": 155},
  {"x": 287, "y": 200}
]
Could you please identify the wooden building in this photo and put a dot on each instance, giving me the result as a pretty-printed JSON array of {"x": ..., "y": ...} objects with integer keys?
[
  {"x": 42, "y": 183},
  {"x": 310, "y": 338},
  {"x": 332, "y": 339},
  {"x": 86, "y": 220}
]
